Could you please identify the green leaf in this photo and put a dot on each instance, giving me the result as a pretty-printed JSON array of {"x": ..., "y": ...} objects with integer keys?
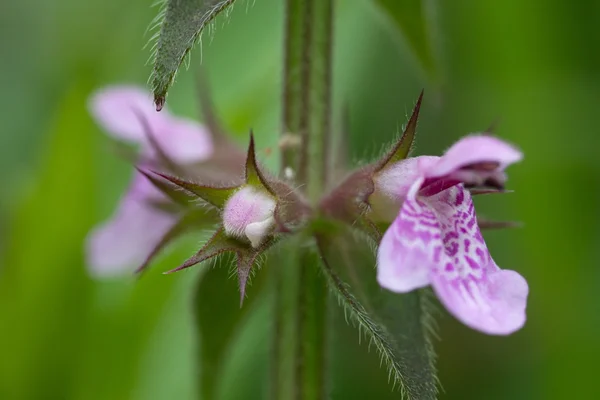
[
  {"x": 219, "y": 319},
  {"x": 182, "y": 22},
  {"x": 398, "y": 325},
  {"x": 409, "y": 17}
]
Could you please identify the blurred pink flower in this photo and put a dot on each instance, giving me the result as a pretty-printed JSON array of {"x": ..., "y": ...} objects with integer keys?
[
  {"x": 435, "y": 239},
  {"x": 129, "y": 236}
]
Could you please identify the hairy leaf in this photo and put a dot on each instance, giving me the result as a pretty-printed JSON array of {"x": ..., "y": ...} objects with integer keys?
[
  {"x": 410, "y": 18},
  {"x": 398, "y": 325},
  {"x": 219, "y": 319},
  {"x": 181, "y": 24}
]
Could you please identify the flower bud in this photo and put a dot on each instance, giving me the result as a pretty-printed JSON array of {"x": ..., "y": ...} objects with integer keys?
[{"x": 249, "y": 214}]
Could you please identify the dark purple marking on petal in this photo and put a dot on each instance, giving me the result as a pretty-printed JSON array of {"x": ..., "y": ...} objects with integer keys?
[
  {"x": 480, "y": 253},
  {"x": 460, "y": 197},
  {"x": 479, "y": 237},
  {"x": 450, "y": 235},
  {"x": 410, "y": 231},
  {"x": 423, "y": 206},
  {"x": 433, "y": 186},
  {"x": 467, "y": 243},
  {"x": 451, "y": 248},
  {"x": 472, "y": 263},
  {"x": 408, "y": 205},
  {"x": 471, "y": 223},
  {"x": 429, "y": 224},
  {"x": 419, "y": 215}
]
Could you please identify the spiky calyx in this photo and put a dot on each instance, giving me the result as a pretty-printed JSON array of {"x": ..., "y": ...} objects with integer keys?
[
  {"x": 351, "y": 200},
  {"x": 254, "y": 214},
  {"x": 223, "y": 161}
]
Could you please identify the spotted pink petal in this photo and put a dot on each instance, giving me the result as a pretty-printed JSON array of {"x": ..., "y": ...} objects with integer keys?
[
  {"x": 407, "y": 252},
  {"x": 467, "y": 280},
  {"x": 122, "y": 243},
  {"x": 474, "y": 149},
  {"x": 494, "y": 304},
  {"x": 436, "y": 240}
]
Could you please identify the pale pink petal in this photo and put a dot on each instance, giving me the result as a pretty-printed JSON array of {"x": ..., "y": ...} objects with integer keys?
[
  {"x": 123, "y": 243},
  {"x": 474, "y": 149},
  {"x": 392, "y": 185},
  {"x": 118, "y": 110},
  {"x": 256, "y": 232},
  {"x": 396, "y": 180},
  {"x": 183, "y": 140},
  {"x": 494, "y": 304},
  {"x": 466, "y": 279},
  {"x": 249, "y": 214},
  {"x": 411, "y": 247},
  {"x": 142, "y": 190}
]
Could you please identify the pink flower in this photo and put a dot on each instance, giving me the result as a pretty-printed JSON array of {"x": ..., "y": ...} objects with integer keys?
[
  {"x": 435, "y": 239},
  {"x": 249, "y": 214},
  {"x": 134, "y": 230}
]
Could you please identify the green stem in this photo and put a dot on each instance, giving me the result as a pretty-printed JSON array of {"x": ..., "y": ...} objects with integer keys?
[
  {"x": 285, "y": 336},
  {"x": 312, "y": 321},
  {"x": 301, "y": 296},
  {"x": 307, "y": 91},
  {"x": 299, "y": 346}
]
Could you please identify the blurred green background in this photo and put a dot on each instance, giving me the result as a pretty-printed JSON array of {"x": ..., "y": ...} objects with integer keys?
[{"x": 533, "y": 65}]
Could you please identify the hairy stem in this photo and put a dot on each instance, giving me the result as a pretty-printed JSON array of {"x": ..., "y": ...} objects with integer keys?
[
  {"x": 307, "y": 92},
  {"x": 301, "y": 302},
  {"x": 312, "y": 317},
  {"x": 298, "y": 369}
]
